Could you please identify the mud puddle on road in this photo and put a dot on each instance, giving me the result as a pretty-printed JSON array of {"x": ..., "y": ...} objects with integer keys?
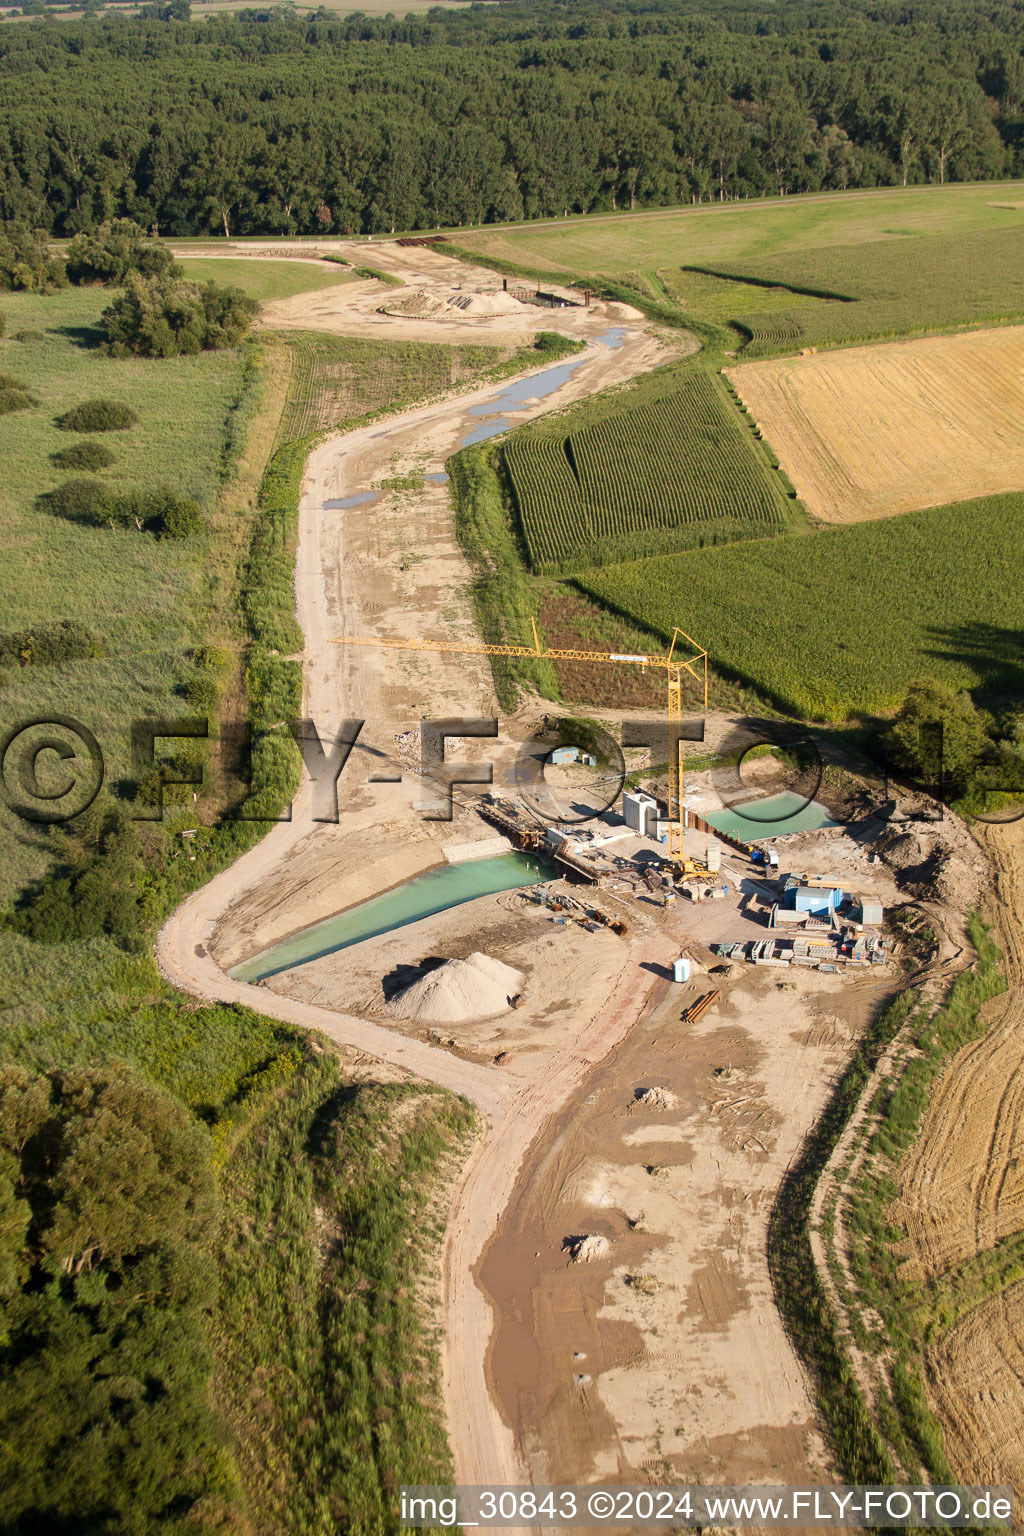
[{"x": 528, "y": 391}]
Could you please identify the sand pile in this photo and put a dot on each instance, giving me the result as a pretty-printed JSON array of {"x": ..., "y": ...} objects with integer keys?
[
  {"x": 584, "y": 1249},
  {"x": 936, "y": 860},
  {"x": 459, "y": 990},
  {"x": 496, "y": 303},
  {"x": 419, "y": 301},
  {"x": 431, "y": 304},
  {"x": 656, "y": 1098}
]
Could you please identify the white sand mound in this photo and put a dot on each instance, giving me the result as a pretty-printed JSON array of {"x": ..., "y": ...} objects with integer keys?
[
  {"x": 496, "y": 303},
  {"x": 583, "y": 1250},
  {"x": 657, "y": 1098},
  {"x": 429, "y": 303},
  {"x": 476, "y": 988}
]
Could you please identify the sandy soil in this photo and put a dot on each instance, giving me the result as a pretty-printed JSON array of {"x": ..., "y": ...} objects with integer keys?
[
  {"x": 872, "y": 431},
  {"x": 976, "y": 1384},
  {"x": 396, "y": 570},
  {"x": 668, "y": 1355},
  {"x": 358, "y": 308},
  {"x": 694, "y": 1367}
]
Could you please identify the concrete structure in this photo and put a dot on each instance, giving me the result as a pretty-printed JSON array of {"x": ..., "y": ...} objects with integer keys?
[
  {"x": 681, "y": 969},
  {"x": 639, "y": 812}
]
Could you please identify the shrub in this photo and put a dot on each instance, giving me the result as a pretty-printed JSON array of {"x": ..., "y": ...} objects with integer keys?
[
  {"x": 114, "y": 250},
  {"x": 81, "y": 500},
  {"x": 29, "y": 335},
  {"x": 164, "y": 317},
  {"x": 47, "y": 644},
  {"x": 184, "y": 520},
  {"x": 26, "y": 262},
  {"x": 87, "y": 455},
  {"x": 3, "y": 323},
  {"x": 11, "y": 381},
  {"x": 98, "y": 416},
  {"x": 15, "y": 400}
]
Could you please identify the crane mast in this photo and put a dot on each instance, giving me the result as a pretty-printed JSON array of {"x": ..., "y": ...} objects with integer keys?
[{"x": 674, "y": 665}]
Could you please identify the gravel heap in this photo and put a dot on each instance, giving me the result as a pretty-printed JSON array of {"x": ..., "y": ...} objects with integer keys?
[{"x": 459, "y": 990}]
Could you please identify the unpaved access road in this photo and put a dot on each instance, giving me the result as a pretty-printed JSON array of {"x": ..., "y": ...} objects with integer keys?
[{"x": 359, "y": 574}]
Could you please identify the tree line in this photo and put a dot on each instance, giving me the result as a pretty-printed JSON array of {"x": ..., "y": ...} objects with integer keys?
[{"x": 265, "y": 123}]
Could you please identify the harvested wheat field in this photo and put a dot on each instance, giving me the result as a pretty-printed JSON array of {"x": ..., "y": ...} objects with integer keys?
[
  {"x": 963, "y": 1186},
  {"x": 963, "y": 1191},
  {"x": 975, "y": 1376},
  {"x": 872, "y": 431}
]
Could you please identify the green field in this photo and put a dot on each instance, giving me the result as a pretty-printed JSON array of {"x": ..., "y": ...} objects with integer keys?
[
  {"x": 144, "y": 599},
  {"x": 736, "y": 232},
  {"x": 838, "y": 623},
  {"x": 880, "y": 290},
  {"x": 678, "y": 471},
  {"x": 265, "y": 279}
]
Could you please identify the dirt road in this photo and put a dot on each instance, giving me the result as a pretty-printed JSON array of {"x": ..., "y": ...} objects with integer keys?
[{"x": 356, "y": 575}]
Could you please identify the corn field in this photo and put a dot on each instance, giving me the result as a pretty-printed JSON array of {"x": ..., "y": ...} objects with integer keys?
[
  {"x": 838, "y": 623},
  {"x": 675, "y": 473}
]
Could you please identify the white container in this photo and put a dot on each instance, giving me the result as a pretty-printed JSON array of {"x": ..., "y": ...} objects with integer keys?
[{"x": 681, "y": 970}]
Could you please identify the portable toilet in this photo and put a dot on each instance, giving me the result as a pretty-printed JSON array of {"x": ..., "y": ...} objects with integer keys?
[{"x": 681, "y": 969}]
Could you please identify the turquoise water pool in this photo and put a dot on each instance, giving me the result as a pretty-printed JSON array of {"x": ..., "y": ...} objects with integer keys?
[
  {"x": 435, "y": 891},
  {"x": 771, "y": 817}
]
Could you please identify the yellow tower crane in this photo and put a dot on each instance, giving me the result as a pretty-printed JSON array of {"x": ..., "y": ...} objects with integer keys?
[{"x": 674, "y": 666}]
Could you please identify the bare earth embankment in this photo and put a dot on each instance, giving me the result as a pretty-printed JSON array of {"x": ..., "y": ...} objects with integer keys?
[{"x": 874, "y": 431}]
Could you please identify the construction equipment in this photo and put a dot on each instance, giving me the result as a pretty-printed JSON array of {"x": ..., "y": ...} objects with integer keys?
[{"x": 674, "y": 666}]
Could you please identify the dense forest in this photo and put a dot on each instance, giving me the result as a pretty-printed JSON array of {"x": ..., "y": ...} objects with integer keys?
[{"x": 265, "y": 123}]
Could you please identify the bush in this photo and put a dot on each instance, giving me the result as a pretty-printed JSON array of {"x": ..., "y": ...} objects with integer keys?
[
  {"x": 16, "y": 400},
  {"x": 98, "y": 416},
  {"x": 114, "y": 250},
  {"x": 48, "y": 644},
  {"x": 87, "y": 455},
  {"x": 3, "y": 323},
  {"x": 29, "y": 335},
  {"x": 183, "y": 521},
  {"x": 164, "y": 317},
  {"x": 11, "y": 381},
  {"x": 80, "y": 500},
  {"x": 26, "y": 263}
]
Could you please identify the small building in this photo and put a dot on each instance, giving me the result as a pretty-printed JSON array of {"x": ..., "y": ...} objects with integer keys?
[
  {"x": 871, "y": 911},
  {"x": 565, "y": 755},
  {"x": 639, "y": 812}
]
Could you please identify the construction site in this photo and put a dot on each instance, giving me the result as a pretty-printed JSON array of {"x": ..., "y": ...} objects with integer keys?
[{"x": 648, "y": 989}]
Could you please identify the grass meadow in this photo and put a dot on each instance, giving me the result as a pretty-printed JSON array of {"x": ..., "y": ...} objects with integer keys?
[
  {"x": 143, "y": 599},
  {"x": 264, "y": 279},
  {"x": 730, "y": 233}
]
